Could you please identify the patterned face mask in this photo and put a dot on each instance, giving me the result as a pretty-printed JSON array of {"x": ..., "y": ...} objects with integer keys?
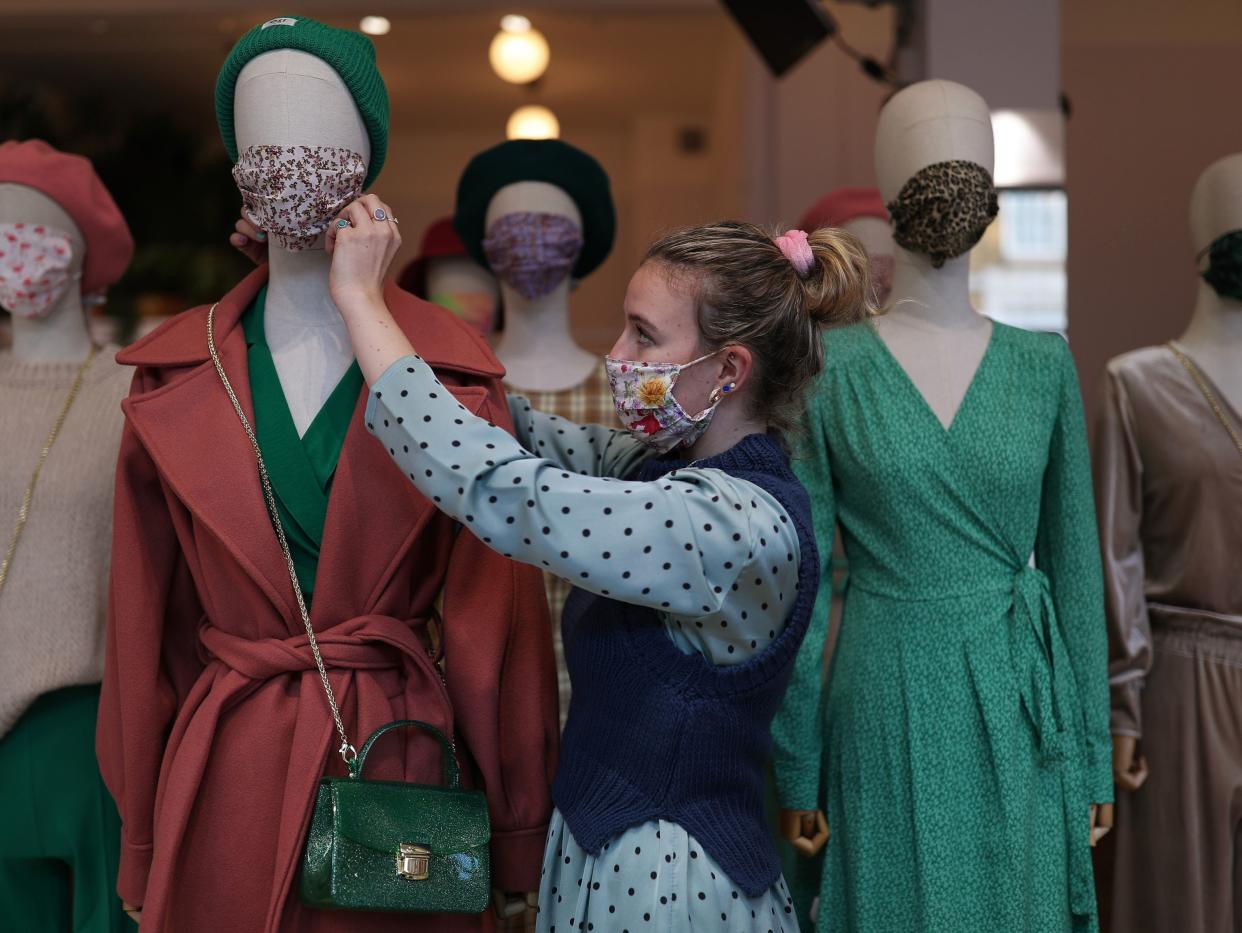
[
  {"x": 1224, "y": 269},
  {"x": 295, "y": 192},
  {"x": 533, "y": 252},
  {"x": 943, "y": 210},
  {"x": 643, "y": 394},
  {"x": 34, "y": 268}
]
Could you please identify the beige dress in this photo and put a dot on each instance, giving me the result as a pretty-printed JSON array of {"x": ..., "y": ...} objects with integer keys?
[
  {"x": 1169, "y": 493},
  {"x": 589, "y": 402}
]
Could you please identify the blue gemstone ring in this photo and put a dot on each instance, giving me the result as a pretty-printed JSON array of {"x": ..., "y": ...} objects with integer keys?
[
  {"x": 379, "y": 214},
  {"x": 342, "y": 223}
]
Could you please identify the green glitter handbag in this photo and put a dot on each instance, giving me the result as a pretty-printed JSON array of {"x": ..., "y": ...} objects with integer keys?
[
  {"x": 387, "y": 845},
  {"x": 382, "y": 845}
]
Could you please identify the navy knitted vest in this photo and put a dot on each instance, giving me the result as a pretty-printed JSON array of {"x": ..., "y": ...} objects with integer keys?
[{"x": 654, "y": 733}]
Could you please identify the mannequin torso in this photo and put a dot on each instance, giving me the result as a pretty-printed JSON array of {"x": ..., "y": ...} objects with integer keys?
[
  {"x": 1214, "y": 336},
  {"x": 62, "y": 335},
  {"x": 931, "y": 328},
  {"x": 291, "y": 98},
  {"x": 537, "y": 349}
]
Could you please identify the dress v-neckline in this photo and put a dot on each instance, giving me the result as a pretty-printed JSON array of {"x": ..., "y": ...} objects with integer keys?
[
  {"x": 921, "y": 400},
  {"x": 1221, "y": 399}
]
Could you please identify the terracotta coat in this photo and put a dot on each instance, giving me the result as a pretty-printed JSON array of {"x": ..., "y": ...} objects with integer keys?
[{"x": 214, "y": 728}]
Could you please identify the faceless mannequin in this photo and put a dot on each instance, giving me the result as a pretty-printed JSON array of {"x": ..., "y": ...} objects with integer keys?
[
  {"x": 290, "y": 98},
  {"x": 877, "y": 240},
  {"x": 931, "y": 327},
  {"x": 470, "y": 286},
  {"x": 63, "y": 335},
  {"x": 537, "y": 349},
  {"x": 1214, "y": 337}
]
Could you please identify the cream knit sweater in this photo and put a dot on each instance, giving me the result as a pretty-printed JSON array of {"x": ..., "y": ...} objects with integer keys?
[{"x": 54, "y": 606}]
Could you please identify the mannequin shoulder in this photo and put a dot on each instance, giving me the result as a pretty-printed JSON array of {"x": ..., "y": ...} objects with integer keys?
[{"x": 1141, "y": 363}]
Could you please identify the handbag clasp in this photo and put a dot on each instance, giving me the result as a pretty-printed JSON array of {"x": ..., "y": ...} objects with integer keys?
[{"x": 413, "y": 862}]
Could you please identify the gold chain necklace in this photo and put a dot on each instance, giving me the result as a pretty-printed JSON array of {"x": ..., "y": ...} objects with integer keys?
[
  {"x": 23, "y": 513},
  {"x": 1208, "y": 394}
]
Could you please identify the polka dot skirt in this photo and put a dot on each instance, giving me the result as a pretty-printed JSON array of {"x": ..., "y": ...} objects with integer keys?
[{"x": 654, "y": 878}]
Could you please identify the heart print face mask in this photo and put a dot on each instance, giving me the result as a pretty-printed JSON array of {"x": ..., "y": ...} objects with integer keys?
[
  {"x": 294, "y": 192},
  {"x": 34, "y": 268}
]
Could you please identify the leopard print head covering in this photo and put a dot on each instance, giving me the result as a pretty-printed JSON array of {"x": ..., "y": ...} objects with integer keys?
[{"x": 943, "y": 209}]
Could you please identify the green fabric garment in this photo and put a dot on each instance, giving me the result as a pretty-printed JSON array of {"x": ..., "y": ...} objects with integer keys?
[
  {"x": 300, "y": 468},
  {"x": 60, "y": 835},
  {"x": 964, "y": 729}
]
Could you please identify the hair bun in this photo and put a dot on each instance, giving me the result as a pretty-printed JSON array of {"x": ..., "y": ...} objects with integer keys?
[{"x": 837, "y": 289}]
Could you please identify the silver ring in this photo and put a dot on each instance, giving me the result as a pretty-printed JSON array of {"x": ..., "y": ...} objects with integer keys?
[
  {"x": 379, "y": 214},
  {"x": 343, "y": 223}
]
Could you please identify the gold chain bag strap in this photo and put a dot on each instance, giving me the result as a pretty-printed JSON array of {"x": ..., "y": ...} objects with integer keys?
[
  {"x": 23, "y": 512},
  {"x": 1208, "y": 394},
  {"x": 381, "y": 845}
]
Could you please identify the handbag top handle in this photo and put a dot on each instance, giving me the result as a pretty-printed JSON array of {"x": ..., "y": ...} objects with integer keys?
[{"x": 451, "y": 773}]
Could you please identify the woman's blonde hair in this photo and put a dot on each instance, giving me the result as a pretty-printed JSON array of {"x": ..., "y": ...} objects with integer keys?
[{"x": 747, "y": 292}]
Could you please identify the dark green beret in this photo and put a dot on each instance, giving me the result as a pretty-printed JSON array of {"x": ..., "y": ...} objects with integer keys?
[{"x": 547, "y": 160}]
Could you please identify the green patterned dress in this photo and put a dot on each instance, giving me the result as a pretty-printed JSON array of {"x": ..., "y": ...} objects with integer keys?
[{"x": 964, "y": 731}]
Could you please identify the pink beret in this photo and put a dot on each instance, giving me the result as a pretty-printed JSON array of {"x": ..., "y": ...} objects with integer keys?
[
  {"x": 71, "y": 182},
  {"x": 843, "y": 205}
]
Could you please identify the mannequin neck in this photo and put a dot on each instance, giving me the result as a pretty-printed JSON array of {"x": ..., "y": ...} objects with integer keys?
[
  {"x": 933, "y": 298},
  {"x": 61, "y": 336},
  {"x": 536, "y": 347},
  {"x": 1216, "y": 322},
  {"x": 298, "y": 288}
]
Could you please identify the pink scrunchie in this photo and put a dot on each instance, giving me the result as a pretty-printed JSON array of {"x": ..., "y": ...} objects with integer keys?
[{"x": 797, "y": 250}]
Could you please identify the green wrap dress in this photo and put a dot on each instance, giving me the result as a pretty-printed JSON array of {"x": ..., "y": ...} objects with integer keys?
[{"x": 963, "y": 730}]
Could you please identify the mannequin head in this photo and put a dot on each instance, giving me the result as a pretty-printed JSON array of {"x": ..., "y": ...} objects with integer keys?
[
  {"x": 465, "y": 288},
  {"x": 929, "y": 122},
  {"x": 538, "y": 197},
  {"x": 1216, "y": 202},
  {"x": 291, "y": 98},
  {"x": 22, "y": 204}
]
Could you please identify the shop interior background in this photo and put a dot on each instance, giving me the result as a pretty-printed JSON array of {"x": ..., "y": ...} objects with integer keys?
[{"x": 1118, "y": 105}]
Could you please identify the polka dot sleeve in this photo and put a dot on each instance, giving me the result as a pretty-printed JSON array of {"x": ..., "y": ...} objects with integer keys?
[
  {"x": 586, "y": 449},
  {"x": 695, "y": 544}
]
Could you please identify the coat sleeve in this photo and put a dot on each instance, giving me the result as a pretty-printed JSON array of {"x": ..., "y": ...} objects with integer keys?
[
  {"x": 501, "y": 676},
  {"x": 1119, "y": 495},
  {"x": 797, "y": 730},
  {"x": 1067, "y": 551},
  {"x": 148, "y": 667}
]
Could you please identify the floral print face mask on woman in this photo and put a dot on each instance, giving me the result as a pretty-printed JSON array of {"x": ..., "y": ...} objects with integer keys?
[
  {"x": 643, "y": 395},
  {"x": 294, "y": 192}
]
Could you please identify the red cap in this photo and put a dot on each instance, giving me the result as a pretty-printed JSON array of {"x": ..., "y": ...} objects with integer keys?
[
  {"x": 71, "y": 182},
  {"x": 843, "y": 205},
  {"x": 439, "y": 240}
]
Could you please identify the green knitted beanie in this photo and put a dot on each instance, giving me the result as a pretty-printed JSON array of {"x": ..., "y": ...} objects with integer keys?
[{"x": 350, "y": 54}]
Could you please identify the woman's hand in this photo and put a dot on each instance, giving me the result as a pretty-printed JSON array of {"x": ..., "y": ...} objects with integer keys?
[
  {"x": 361, "y": 251},
  {"x": 134, "y": 913},
  {"x": 250, "y": 241},
  {"x": 805, "y": 830}
]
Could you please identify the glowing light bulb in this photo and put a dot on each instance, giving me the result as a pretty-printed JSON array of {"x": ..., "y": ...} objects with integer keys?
[
  {"x": 375, "y": 25},
  {"x": 533, "y": 122},
  {"x": 519, "y": 53}
]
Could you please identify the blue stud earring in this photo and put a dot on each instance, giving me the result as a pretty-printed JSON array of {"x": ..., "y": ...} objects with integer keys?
[{"x": 729, "y": 387}]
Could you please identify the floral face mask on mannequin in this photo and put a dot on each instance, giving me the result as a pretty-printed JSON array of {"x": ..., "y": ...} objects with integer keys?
[
  {"x": 643, "y": 395},
  {"x": 34, "y": 268},
  {"x": 532, "y": 252},
  {"x": 294, "y": 192},
  {"x": 943, "y": 210},
  {"x": 1224, "y": 270}
]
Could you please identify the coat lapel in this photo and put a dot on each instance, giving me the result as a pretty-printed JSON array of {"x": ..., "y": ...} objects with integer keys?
[{"x": 189, "y": 428}]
